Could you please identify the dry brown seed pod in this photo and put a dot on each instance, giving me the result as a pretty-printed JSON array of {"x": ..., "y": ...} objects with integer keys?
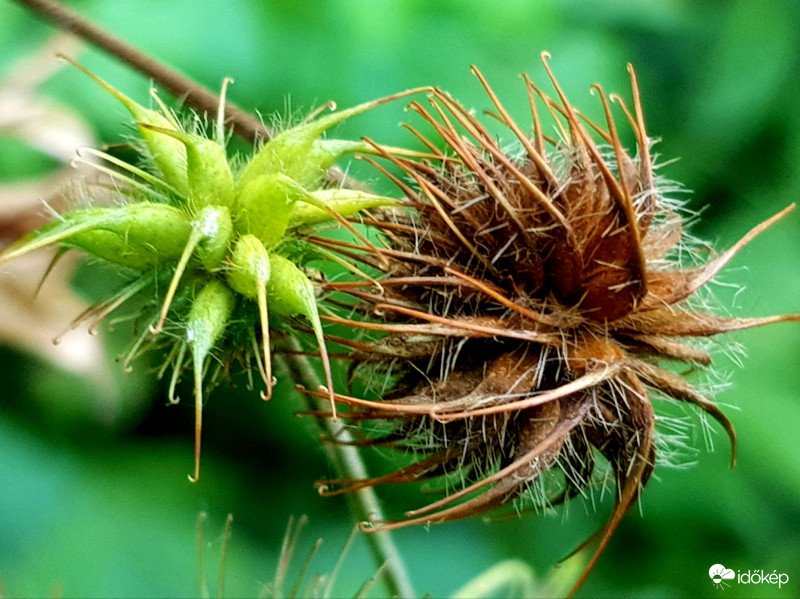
[{"x": 528, "y": 305}]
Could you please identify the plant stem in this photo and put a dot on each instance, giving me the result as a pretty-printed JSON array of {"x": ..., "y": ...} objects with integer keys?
[
  {"x": 180, "y": 86},
  {"x": 347, "y": 461}
]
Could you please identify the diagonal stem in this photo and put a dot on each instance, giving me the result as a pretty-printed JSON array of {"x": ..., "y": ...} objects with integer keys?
[
  {"x": 191, "y": 93},
  {"x": 180, "y": 86}
]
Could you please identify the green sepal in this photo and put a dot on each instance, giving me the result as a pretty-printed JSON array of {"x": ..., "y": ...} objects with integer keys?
[
  {"x": 168, "y": 154},
  {"x": 291, "y": 293},
  {"x": 209, "y": 177},
  {"x": 211, "y": 232},
  {"x": 249, "y": 268},
  {"x": 323, "y": 154},
  {"x": 137, "y": 236},
  {"x": 264, "y": 206},
  {"x": 249, "y": 274},
  {"x": 345, "y": 202},
  {"x": 300, "y": 154},
  {"x": 215, "y": 227},
  {"x": 290, "y": 290},
  {"x": 207, "y": 319},
  {"x": 206, "y": 323}
]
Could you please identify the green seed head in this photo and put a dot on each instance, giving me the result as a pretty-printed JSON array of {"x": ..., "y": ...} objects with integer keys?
[{"x": 205, "y": 238}]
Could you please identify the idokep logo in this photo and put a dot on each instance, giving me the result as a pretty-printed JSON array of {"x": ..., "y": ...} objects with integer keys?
[{"x": 719, "y": 574}]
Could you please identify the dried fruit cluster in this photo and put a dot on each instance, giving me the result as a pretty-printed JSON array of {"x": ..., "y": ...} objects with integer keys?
[{"x": 528, "y": 304}]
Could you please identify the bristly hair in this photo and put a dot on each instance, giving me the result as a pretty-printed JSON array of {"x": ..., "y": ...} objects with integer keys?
[{"x": 527, "y": 307}]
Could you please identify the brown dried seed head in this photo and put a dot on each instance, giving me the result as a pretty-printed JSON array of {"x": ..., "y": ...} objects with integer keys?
[{"x": 525, "y": 307}]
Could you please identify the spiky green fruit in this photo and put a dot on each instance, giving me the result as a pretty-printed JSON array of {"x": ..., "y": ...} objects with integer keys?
[{"x": 210, "y": 237}]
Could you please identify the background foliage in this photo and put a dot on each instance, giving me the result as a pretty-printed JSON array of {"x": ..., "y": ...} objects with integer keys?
[{"x": 95, "y": 501}]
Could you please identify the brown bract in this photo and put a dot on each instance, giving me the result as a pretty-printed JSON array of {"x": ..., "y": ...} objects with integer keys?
[{"x": 528, "y": 305}]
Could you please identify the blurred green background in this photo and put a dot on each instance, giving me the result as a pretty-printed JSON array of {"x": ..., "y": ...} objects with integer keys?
[{"x": 94, "y": 500}]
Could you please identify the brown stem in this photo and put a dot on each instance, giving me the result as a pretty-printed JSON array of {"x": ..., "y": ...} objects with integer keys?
[{"x": 193, "y": 95}]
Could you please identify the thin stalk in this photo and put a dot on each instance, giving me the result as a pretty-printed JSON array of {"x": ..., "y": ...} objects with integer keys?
[
  {"x": 347, "y": 462},
  {"x": 193, "y": 95}
]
